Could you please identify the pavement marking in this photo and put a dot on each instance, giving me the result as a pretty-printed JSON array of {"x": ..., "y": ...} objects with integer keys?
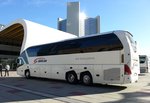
[{"x": 62, "y": 99}]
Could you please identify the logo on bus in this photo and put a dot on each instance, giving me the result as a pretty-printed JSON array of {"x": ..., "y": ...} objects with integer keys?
[{"x": 40, "y": 60}]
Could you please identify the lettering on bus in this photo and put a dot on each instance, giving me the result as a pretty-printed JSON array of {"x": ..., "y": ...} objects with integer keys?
[
  {"x": 85, "y": 58},
  {"x": 39, "y": 60}
]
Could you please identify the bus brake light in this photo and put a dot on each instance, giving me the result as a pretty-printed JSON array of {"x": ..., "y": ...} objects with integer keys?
[{"x": 127, "y": 70}]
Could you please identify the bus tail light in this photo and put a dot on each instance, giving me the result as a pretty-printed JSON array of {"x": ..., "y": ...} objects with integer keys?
[{"x": 127, "y": 70}]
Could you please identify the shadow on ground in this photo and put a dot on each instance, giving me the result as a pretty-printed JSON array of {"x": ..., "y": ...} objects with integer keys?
[
  {"x": 53, "y": 88},
  {"x": 134, "y": 97}
]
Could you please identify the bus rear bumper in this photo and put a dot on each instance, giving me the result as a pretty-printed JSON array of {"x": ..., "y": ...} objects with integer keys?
[{"x": 131, "y": 78}]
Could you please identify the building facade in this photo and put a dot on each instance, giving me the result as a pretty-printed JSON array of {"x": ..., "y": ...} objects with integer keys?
[
  {"x": 76, "y": 25},
  {"x": 73, "y": 18},
  {"x": 92, "y": 26},
  {"x": 21, "y": 34},
  {"x": 62, "y": 24}
]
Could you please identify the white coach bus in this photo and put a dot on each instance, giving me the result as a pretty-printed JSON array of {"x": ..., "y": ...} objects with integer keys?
[
  {"x": 109, "y": 58},
  {"x": 144, "y": 64}
]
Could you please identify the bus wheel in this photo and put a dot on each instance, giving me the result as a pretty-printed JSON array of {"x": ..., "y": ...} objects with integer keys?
[
  {"x": 27, "y": 74},
  {"x": 86, "y": 78},
  {"x": 71, "y": 77}
]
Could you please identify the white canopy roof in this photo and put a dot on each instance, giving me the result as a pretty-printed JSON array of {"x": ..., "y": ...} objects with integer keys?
[{"x": 35, "y": 34}]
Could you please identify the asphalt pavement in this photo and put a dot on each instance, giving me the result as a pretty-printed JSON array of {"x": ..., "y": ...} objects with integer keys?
[{"x": 16, "y": 89}]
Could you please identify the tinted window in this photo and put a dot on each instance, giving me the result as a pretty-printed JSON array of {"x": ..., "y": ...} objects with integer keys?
[
  {"x": 91, "y": 44},
  {"x": 69, "y": 47},
  {"x": 142, "y": 59},
  {"x": 102, "y": 43},
  {"x": 44, "y": 50},
  {"x": 33, "y": 51},
  {"x": 99, "y": 43},
  {"x": 23, "y": 55}
]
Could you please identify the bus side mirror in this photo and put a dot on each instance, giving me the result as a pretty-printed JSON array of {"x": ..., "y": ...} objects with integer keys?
[{"x": 18, "y": 62}]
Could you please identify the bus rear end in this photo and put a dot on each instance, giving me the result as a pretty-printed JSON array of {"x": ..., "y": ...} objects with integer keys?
[
  {"x": 132, "y": 68},
  {"x": 130, "y": 57}
]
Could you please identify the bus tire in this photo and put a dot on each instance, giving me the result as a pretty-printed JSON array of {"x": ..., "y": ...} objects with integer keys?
[
  {"x": 71, "y": 77},
  {"x": 86, "y": 78},
  {"x": 27, "y": 74}
]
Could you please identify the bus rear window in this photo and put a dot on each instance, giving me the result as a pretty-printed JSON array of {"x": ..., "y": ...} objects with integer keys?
[{"x": 142, "y": 60}]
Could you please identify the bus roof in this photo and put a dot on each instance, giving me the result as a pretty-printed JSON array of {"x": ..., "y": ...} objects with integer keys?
[{"x": 76, "y": 38}]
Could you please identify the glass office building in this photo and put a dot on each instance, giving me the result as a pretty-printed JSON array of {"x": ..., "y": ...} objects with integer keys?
[
  {"x": 62, "y": 24},
  {"x": 92, "y": 25},
  {"x": 76, "y": 25}
]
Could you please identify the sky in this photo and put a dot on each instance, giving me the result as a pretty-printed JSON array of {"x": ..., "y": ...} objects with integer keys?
[{"x": 129, "y": 15}]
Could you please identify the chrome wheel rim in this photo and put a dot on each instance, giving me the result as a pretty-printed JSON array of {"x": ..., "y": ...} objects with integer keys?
[
  {"x": 71, "y": 78},
  {"x": 86, "y": 79}
]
